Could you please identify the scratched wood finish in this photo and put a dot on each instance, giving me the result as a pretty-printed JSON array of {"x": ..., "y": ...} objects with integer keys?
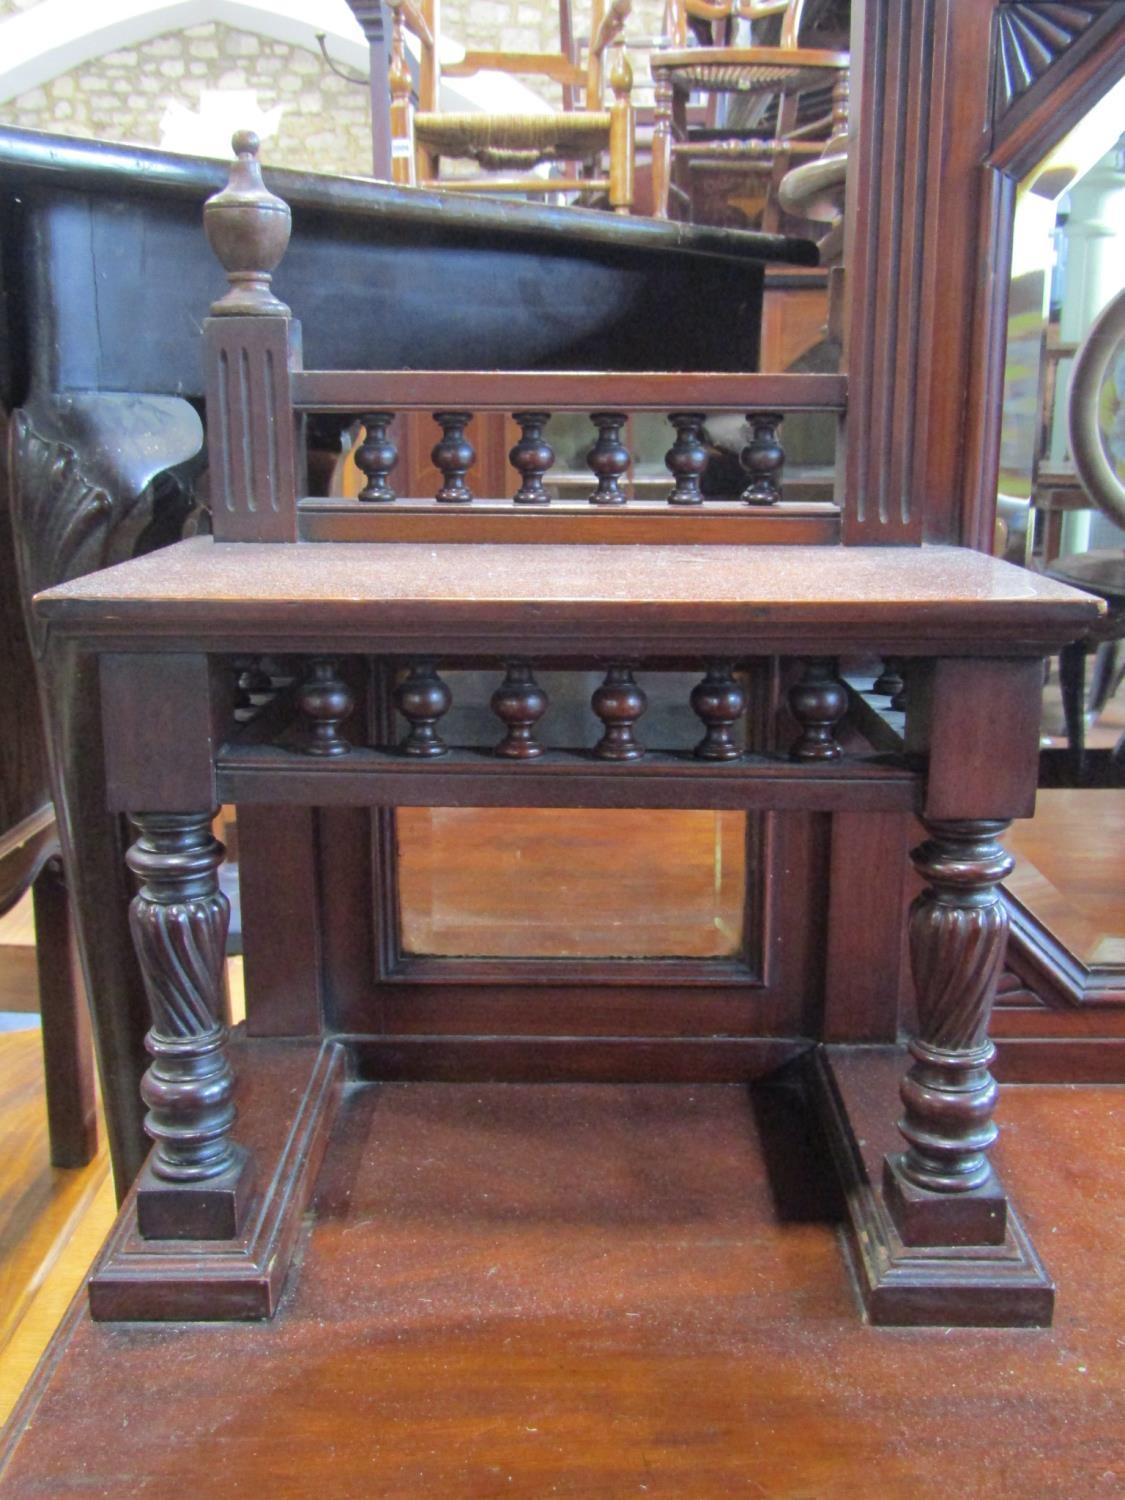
[{"x": 565, "y": 598}]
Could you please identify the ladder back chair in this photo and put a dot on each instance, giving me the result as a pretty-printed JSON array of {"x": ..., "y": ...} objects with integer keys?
[
  {"x": 701, "y": 54},
  {"x": 508, "y": 147}
]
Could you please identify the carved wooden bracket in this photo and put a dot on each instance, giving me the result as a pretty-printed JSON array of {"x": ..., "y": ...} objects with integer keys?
[{"x": 82, "y": 469}]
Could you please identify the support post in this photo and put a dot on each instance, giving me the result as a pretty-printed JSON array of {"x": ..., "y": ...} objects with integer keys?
[
  {"x": 942, "y": 1189},
  {"x": 196, "y": 1183}
]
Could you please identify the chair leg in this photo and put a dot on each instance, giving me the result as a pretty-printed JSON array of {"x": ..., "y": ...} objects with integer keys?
[
  {"x": 661, "y": 147},
  {"x": 1104, "y": 678},
  {"x": 68, "y": 1059},
  {"x": 1072, "y": 680}
]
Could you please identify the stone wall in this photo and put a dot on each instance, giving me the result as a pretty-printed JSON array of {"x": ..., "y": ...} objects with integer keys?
[{"x": 324, "y": 121}]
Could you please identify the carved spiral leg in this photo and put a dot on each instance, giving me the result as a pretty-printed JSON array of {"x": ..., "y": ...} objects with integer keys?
[
  {"x": 942, "y": 1190},
  {"x": 196, "y": 1182}
]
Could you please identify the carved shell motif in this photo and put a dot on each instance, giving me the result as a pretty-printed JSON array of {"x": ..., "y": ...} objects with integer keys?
[{"x": 1031, "y": 37}]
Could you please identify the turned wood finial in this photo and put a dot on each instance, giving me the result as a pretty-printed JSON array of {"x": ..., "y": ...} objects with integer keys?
[{"x": 248, "y": 228}]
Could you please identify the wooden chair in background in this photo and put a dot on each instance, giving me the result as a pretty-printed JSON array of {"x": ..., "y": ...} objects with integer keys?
[
  {"x": 716, "y": 65},
  {"x": 580, "y": 135},
  {"x": 1096, "y": 411}
]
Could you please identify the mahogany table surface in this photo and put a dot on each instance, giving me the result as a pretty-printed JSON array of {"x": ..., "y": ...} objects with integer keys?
[
  {"x": 932, "y": 599},
  {"x": 593, "y": 1292}
]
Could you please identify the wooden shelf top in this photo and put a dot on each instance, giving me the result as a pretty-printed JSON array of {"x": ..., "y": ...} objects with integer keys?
[{"x": 489, "y": 596}]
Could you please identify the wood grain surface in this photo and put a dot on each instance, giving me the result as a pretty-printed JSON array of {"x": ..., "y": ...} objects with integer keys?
[
  {"x": 40, "y": 1205},
  {"x": 588, "y": 1291},
  {"x": 558, "y": 597}
]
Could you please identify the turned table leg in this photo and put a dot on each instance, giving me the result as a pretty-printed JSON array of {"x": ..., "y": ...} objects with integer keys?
[
  {"x": 196, "y": 1182},
  {"x": 941, "y": 1190}
]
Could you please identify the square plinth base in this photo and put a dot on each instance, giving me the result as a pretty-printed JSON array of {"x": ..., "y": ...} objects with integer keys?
[
  {"x": 214, "y": 1209},
  {"x": 979, "y": 1217},
  {"x": 950, "y": 1283},
  {"x": 288, "y": 1093}
]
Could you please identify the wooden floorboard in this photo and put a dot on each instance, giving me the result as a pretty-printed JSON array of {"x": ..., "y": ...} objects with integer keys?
[
  {"x": 42, "y": 1208},
  {"x": 1070, "y": 872},
  {"x": 584, "y": 1290}
]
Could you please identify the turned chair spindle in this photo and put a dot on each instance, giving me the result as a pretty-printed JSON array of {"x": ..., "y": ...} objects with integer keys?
[
  {"x": 422, "y": 698},
  {"x": 818, "y": 702},
  {"x": 619, "y": 703},
  {"x": 687, "y": 457},
  {"x": 609, "y": 458},
  {"x": 532, "y": 456},
  {"x": 325, "y": 701},
  {"x": 376, "y": 456},
  {"x": 519, "y": 703},
  {"x": 454, "y": 455},
  {"x": 719, "y": 701},
  {"x": 763, "y": 459}
]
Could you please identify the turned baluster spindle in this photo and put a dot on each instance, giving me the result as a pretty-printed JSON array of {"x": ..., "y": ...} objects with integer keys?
[
  {"x": 519, "y": 702},
  {"x": 890, "y": 681},
  {"x": 325, "y": 701},
  {"x": 376, "y": 456},
  {"x": 719, "y": 701},
  {"x": 531, "y": 457},
  {"x": 422, "y": 698},
  {"x": 619, "y": 703},
  {"x": 196, "y": 1182},
  {"x": 818, "y": 702},
  {"x": 454, "y": 455},
  {"x": 686, "y": 459},
  {"x": 609, "y": 458},
  {"x": 763, "y": 459},
  {"x": 942, "y": 1188}
]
